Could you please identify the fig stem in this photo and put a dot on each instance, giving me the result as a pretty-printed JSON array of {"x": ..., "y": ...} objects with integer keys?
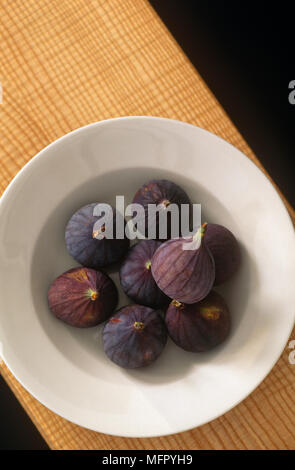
[
  {"x": 100, "y": 232},
  {"x": 148, "y": 264},
  {"x": 138, "y": 325},
  {"x": 199, "y": 235},
  {"x": 176, "y": 303},
  {"x": 92, "y": 294},
  {"x": 165, "y": 203}
]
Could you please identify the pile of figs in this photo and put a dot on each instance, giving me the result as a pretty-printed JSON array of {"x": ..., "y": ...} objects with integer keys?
[{"x": 169, "y": 282}]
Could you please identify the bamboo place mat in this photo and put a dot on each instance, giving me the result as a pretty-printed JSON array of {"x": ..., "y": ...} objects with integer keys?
[{"x": 68, "y": 63}]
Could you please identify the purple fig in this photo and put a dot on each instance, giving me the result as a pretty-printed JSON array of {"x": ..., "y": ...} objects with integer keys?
[
  {"x": 162, "y": 193},
  {"x": 225, "y": 251},
  {"x": 82, "y": 297},
  {"x": 201, "y": 326},
  {"x": 184, "y": 268},
  {"x": 135, "y": 336},
  {"x": 89, "y": 246},
  {"x": 136, "y": 277}
]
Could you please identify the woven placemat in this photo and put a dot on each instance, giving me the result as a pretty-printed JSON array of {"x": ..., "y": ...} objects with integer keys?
[{"x": 68, "y": 63}]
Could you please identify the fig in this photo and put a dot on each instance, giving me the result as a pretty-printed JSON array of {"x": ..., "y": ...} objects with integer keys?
[
  {"x": 225, "y": 251},
  {"x": 135, "y": 336},
  {"x": 184, "y": 269},
  {"x": 136, "y": 277},
  {"x": 90, "y": 246},
  {"x": 163, "y": 193},
  {"x": 201, "y": 326},
  {"x": 82, "y": 297}
]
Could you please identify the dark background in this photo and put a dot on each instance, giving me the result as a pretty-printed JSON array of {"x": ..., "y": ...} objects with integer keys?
[{"x": 244, "y": 52}]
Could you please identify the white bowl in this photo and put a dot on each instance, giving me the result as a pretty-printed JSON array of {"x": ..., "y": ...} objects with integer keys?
[{"x": 65, "y": 368}]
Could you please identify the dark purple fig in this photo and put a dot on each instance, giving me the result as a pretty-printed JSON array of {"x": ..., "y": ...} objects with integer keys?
[
  {"x": 198, "y": 327},
  {"x": 82, "y": 297},
  {"x": 225, "y": 251},
  {"x": 184, "y": 268},
  {"x": 162, "y": 193},
  {"x": 91, "y": 246},
  {"x": 135, "y": 336},
  {"x": 136, "y": 277}
]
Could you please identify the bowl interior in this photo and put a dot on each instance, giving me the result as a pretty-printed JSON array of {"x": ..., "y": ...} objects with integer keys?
[
  {"x": 64, "y": 367},
  {"x": 81, "y": 346}
]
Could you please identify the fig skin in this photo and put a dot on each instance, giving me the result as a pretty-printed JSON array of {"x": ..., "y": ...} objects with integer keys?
[
  {"x": 201, "y": 326},
  {"x": 225, "y": 250},
  {"x": 82, "y": 297},
  {"x": 136, "y": 277},
  {"x": 135, "y": 336},
  {"x": 88, "y": 250},
  {"x": 184, "y": 274},
  {"x": 160, "y": 192}
]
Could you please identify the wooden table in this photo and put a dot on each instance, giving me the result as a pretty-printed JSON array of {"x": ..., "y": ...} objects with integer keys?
[{"x": 68, "y": 63}]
